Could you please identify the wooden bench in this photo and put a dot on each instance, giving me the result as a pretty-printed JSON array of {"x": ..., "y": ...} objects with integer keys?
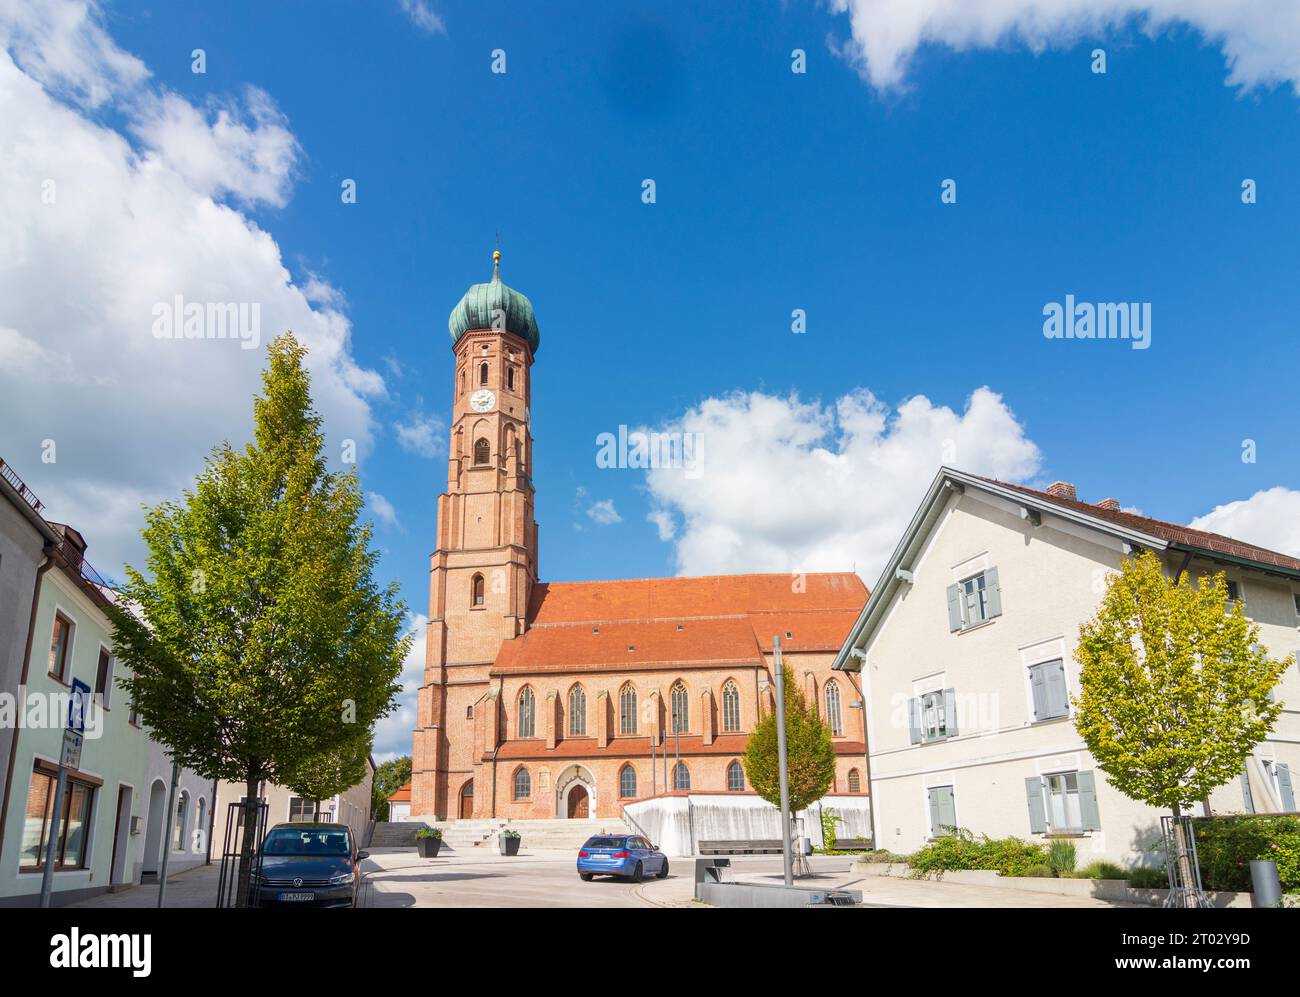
[
  {"x": 852, "y": 844},
  {"x": 741, "y": 847}
]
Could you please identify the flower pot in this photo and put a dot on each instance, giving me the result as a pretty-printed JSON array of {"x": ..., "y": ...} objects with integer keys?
[
  {"x": 428, "y": 847},
  {"x": 509, "y": 846}
]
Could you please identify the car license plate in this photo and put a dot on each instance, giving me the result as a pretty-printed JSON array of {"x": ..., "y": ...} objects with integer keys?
[{"x": 291, "y": 897}]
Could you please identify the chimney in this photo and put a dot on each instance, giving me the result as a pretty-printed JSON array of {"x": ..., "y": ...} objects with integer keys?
[
  {"x": 1109, "y": 503},
  {"x": 1062, "y": 489}
]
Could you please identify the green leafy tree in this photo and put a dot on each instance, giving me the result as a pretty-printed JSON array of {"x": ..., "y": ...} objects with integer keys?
[
  {"x": 810, "y": 755},
  {"x": 389, "y": 778},
  {"x": 1174, "y": 687},
  {"x": 259, "y": 646}
]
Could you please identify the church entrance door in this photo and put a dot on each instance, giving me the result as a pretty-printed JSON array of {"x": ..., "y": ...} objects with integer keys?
[
  {"x": 578, "y": 802},
  {"x": 467, "y": 801}
]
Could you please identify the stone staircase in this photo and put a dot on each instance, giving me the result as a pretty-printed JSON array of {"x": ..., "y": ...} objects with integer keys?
[
  {"x": 394, "y": 834},
  {"x": 465, "y": 836}
]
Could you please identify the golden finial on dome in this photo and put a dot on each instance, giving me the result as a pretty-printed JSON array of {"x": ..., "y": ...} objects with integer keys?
[{"x": 496, "y": 264}]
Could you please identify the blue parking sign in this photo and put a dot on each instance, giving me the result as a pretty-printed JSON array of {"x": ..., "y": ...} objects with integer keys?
[{"x": 77, "y": 706}]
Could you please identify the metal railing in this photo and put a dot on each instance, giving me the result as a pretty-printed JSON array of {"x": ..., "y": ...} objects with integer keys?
[{"x": 28, "y": 496}]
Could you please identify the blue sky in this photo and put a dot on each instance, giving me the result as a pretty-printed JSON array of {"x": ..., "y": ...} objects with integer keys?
[{"x": 775, "y": 191}]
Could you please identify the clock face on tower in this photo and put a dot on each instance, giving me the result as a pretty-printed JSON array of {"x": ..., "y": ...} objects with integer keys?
[{"x": 482, "y": 400}]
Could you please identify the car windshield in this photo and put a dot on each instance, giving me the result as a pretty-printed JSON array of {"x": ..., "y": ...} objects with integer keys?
[
  {"x": 604, "y": 843},
  {"x": 306, "y": 841}
]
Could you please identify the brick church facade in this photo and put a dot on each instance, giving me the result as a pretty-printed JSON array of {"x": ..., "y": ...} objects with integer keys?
[{"x": 571, "y": 699}]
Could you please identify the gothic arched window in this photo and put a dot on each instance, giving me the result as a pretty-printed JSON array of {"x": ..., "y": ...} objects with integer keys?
[
  {"x": 510, "y": 378},
  {"x": 730, "y": 707},
  {"x": 833, "y": 717},
  {"x": 476, "y": 591},
  {"x": 855, "y": 781},
  {"x": 577, "y": 712},
  {"x": 627, "y": 710},
  {"x": 482, "y": 373},
  {"x": 735, "y": 778},
  {"x": 523, "y": 784},
  {"x": 681, "y": 776},
  {"x": 482, "y": 450},
  {"x": 627, "y": 782},
  {"x": 681, "y": 709},
  {"x": 527, "y": 713}
]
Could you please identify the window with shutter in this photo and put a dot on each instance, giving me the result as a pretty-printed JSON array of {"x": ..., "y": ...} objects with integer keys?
[
  {"x": 943, "y": 811},
  {"x": 1247, "y": 797},
  {"x": 1037, "y": 808},
  {"x": 974, "y": 600},
  {"x": 1047, "y": 682},
  {"x": 1284, "y": 787}
]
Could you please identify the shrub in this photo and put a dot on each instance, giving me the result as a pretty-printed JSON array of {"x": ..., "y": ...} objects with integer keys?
[
  {"x": 1061, "y": 858},
  {"x": 963, "y": 850},
  {"x": 507, "y": 833},
  {"x": 1039, "y": 871},
  {"x": 1226, "y": 845},
  {"x": 1146, "y": 878},
  {"x": 882, "y": 856},
  {"x": 1101, "y": 870},
  {"x": 428, "y": 832}
]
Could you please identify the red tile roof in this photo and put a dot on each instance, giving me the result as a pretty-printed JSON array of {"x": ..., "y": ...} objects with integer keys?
[
  {"x": 672, "y": 623},
  {"x": 684, "y": 598},
  {"x": 402, "y": 795},
  {"x": 1169, "y": 532}
]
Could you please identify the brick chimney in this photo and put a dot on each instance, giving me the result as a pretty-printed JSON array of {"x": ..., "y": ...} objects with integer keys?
[
  {"x": 1109, "y": 503},
  {"x": 1062, "y": 489}
]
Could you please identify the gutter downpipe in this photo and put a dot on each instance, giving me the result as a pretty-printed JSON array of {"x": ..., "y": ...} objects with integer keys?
[
  {"x": 45, "y": 566},
  {"x": 866, "y": 758},
  {"x": 501, "y": 688}
]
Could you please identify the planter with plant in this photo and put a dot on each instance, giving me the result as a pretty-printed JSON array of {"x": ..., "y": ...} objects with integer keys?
[
  {"x": 508, "y": 841},
  {"x": 428, "y": 840}
]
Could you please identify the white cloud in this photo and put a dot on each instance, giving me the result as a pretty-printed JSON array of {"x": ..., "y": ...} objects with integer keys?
[
  {"x": 246, "y": 150},
  {"x": 382, "y": 508},
  {"x": 62, "y": 45},
  {"x": 423, "y": 16},
  {"x": 422, "y": 434},
  {"x": 603, "y": 513},
  {"x": 1269, "y": 518},
  {"x": 1260, "y": 39},
  {"x": 393, "y": 733},
  {"x": 784, "y": 485},
  {"x": 663, "y": 522},
  {"x": 127, "y": 228}
]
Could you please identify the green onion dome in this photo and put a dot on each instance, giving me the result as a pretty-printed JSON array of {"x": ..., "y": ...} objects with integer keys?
[{"x": 482, "y": 303}]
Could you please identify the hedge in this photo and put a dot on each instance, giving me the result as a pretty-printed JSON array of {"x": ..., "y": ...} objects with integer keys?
[{"x": 1226, "y": 845}]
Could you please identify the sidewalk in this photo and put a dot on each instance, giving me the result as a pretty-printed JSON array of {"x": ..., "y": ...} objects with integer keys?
[
  {"x": 195, "y": 887},
  {"x": 831, "y": 871}
]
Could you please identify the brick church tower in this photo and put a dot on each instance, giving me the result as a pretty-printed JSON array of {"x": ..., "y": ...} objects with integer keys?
[{"x": 484, "y": 567}]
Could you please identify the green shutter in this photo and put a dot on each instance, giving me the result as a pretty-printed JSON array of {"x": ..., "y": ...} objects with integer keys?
[
  {"x": 1037, "y": 808},
  {"x": 1088, "y": 802},
  {"x": 1058, "y": 702},
  {"x": 914, "y": 719},
  {"x": 954, "y": 608},
  {"x": 943, "y": 811},
  {"x": 1038, "y": 685},
  {"x": 993, "y": 592},
  {"x": 950, "y": 711},
  {"x": 1284, "y": 786}
]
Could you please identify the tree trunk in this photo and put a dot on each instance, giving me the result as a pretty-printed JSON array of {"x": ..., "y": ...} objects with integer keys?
[
  {"x": 1184, "y": 859},
  {"x": 248, "y": 842}
]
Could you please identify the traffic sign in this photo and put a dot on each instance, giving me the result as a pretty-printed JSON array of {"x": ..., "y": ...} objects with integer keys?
[
  {"x": 71, "y": 754},
  {"x": 77, "y": 706}
]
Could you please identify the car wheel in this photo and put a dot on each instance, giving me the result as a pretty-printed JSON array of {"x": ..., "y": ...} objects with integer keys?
[
  {"x": 585, "y": 877},
  {"x": 663, "y": 872},
  {"x": 638, "y": 873}
]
